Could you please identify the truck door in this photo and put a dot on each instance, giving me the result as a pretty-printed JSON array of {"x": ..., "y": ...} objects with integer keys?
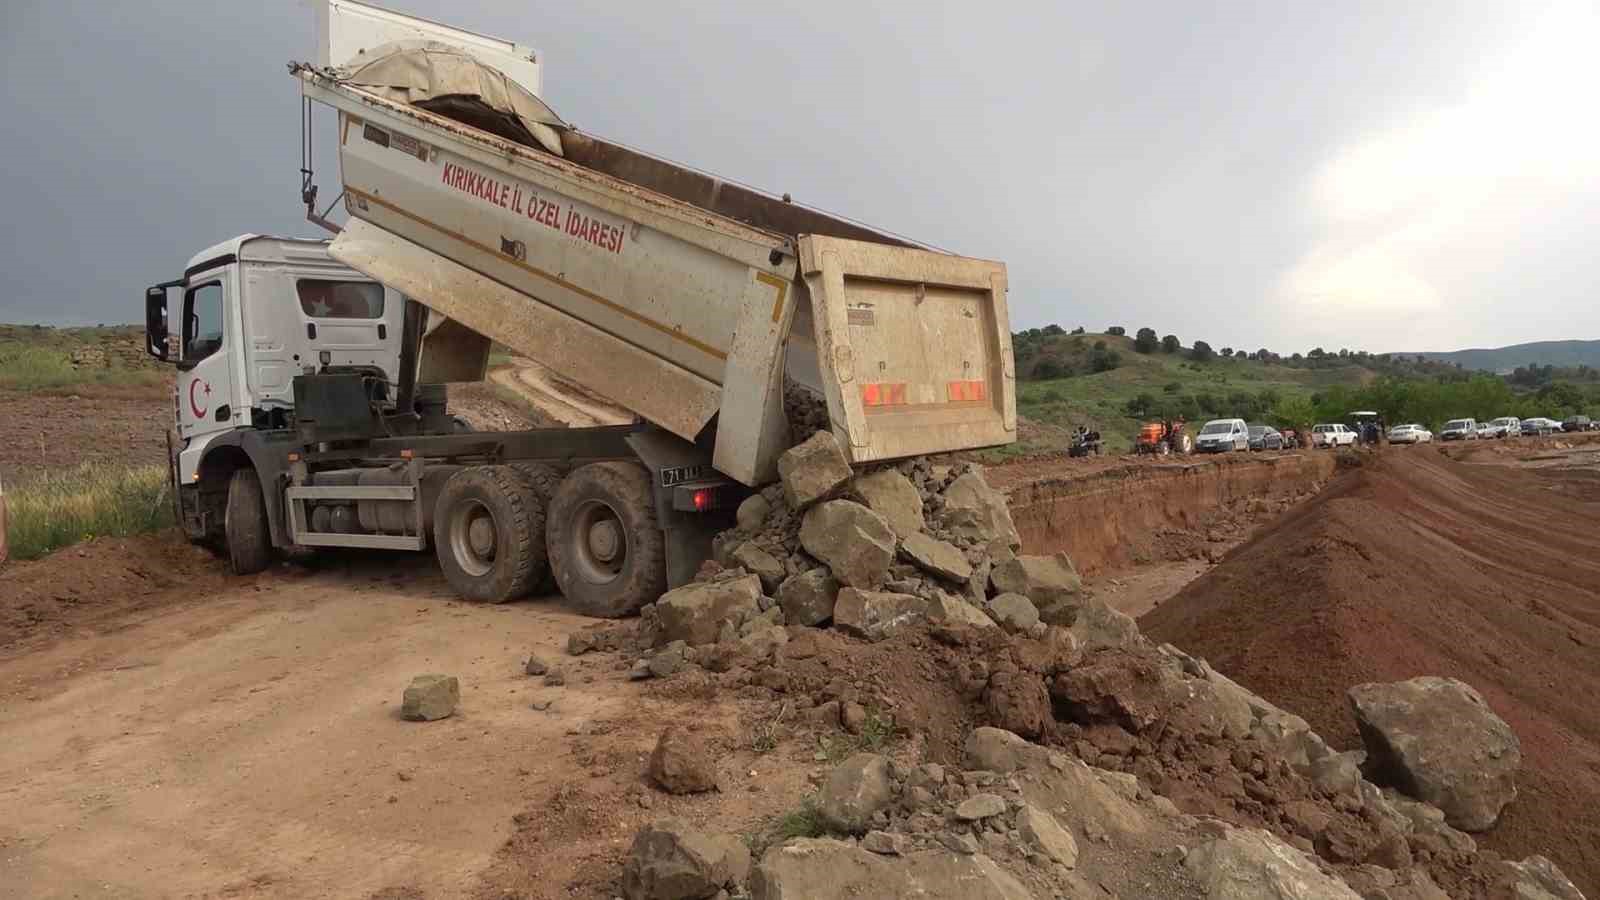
[{"x": 205, "y": 378}]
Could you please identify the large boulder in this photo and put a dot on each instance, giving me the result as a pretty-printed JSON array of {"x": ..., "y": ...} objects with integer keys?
[
  {"x": 952, "y": 610},
  {"x": 1046, "y": 580},
  {"x": 1537, "y": 878},
  {"x": 752, "y": 513},
  {"x": 1247, "y": 863},
  {"x": 430, "y": 697},
  {"x": 671, "y": 861},
  {"x": 1044, "y": 834},
  {"x": 973, "y": 509},
  {"x": 893, "y": 496},
  {"x": 1096, "y": 625},
  {"x": 854, "y": 790},
  {"x": 875, "y": 615},
  {"x": 751, "y": 557},
  {"x": 1436, "y": 739},
  {"x": 696, "y": 612},
  {"x": 813, "y": 469},
  {"x": 682, "y": 763},
  {"x": 1014, "y": 612},
  {"x": 823, "y": 869},
  {"x": 997, "y": 750},
  {"x": 938, "y": 557},
  {"x": 855, "y": 543},
  {"x": 807, "y": 598}
]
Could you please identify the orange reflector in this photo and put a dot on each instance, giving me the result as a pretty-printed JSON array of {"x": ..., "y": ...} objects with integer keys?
[
  {"x": 967, "y": 391},
  {"x": 294, "y": 457},
  {"x": 884, "y": 394},
  {"x": 405, "y": 454}
]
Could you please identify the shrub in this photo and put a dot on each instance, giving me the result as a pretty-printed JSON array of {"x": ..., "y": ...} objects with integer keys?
[{"x": 87, "y": 502}]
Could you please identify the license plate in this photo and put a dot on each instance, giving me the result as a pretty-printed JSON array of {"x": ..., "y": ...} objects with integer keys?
[{"x": 683, "y": 474}]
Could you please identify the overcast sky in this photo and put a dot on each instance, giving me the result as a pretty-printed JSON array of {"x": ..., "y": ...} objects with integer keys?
[{"x": 1387, "y": 176}]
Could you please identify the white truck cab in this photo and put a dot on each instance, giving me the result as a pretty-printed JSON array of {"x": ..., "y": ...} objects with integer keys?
[{"x": 254, "y": 312}]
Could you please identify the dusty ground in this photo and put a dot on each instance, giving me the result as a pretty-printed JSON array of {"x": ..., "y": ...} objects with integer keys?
[
  {"x": 562, "y": 400},
  {"x": 243, "y": 740},
  {"x": 54, "y": 431}
]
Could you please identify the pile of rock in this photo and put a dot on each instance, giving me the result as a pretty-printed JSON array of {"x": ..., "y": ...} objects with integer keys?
[{"x": 871, "y": 553}]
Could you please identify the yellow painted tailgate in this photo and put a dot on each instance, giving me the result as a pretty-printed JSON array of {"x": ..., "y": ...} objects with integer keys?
[{"x": 913, "y": 348}]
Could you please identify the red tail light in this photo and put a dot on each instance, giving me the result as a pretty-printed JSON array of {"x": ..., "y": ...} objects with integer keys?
[{"x": 702, "y": 500}]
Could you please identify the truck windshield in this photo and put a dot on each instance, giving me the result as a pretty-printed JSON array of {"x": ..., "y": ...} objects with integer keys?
[
  {"x": 1455, "y": 425},
  {"x": 322, "y": 299},
  {"x": 1217, "y": 428}
]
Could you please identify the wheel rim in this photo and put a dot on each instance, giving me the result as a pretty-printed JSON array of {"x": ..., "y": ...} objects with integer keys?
[
  {"x": 599, "y": 542},
  {"x": 473, "y": 537}
]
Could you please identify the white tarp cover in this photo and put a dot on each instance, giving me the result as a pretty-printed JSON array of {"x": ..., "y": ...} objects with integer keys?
[{"x": 449, "y": 81}]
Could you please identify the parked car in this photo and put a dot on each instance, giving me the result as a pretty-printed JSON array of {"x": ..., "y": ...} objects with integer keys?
[
  {"x": 1540, "y": 425},
  {"x": 1460, "y": 430},
  {"x": 1486, "y": 431},
  {"x": 1265, "y": 437},
  {"x": 1223, "y": 435},
  {"x": 1507, "y": 426},
  {"x": 1578, "y": 423},
  {"x": 1332, "y": 434},
  {"x": 1410, "y": 434}
]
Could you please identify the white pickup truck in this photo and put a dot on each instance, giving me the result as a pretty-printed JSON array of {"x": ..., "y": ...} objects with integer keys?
[{"x": 310, "y": 409}]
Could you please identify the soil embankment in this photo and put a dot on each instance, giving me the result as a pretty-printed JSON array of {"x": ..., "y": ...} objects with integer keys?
[
  {"x": 1115, "y": 517},
  {"x": 1409, "y": 564}
]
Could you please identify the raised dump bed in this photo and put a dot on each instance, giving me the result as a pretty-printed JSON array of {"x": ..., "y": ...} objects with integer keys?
[{"x": 681, "y": 297}]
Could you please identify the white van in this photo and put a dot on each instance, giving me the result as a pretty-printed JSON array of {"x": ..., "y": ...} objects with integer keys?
[{"x": 1222, "y": 435}]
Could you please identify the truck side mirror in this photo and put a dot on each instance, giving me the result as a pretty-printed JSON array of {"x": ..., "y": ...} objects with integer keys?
[{"x": 155, "y": 322}]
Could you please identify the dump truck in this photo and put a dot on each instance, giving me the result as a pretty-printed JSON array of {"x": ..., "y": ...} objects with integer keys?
[{"x": 311, "y": 408}]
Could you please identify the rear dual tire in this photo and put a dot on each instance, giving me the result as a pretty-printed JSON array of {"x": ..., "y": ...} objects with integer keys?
[
  {"x": 607, "y": 551},
  {"x": 488, "y": 533}
]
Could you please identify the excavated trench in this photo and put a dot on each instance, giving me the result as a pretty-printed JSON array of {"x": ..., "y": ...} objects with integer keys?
[{"x": 1117, "y": 517}]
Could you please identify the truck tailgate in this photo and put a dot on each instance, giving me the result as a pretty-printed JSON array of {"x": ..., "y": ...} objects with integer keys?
[{"x": 913, "y": 347}]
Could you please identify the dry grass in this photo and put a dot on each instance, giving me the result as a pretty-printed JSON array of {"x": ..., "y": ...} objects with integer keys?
[{"x": 90, "y": 501}]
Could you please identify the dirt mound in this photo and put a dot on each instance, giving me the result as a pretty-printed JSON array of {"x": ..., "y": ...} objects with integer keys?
[
  {"x": 1413, "y": 564},
  {"x": 99, "y": 580}
]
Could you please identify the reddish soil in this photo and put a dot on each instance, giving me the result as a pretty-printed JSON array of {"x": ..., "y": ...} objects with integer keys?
[
  {"x": 1411, "y": 563},
  {"x": 51, "y": 431},
  {"x": 99, "y": 582}
]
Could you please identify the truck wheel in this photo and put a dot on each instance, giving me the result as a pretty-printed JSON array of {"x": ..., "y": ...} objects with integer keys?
[
  {"x": 606, "y": 549},
  {"x": 248, "y": 538},
  {"x": 543, "y": 480},
  {"x": 487, "y": 526}
]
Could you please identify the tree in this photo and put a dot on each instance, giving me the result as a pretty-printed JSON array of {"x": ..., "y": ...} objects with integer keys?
[
  {"x": 1316, "y": 353},
  {"x": 1140, "y": 406},
  {"x": 1052, "y": 330},
  {"x": 1169, "y": 344},
  {"x": 1145, "y": 341},
  {"x": 1227, "y": 352},
  {"x": 1117, "y": 330},
  {"x": 1202, "y": 352},
  {"x": 1078, "y": 330},
  {"x": 1048, "y": 368},
  {"x": 1264, "y": 355},
  {"x": 1099, "y": 345},
  {"x": 1103, "y": 360},
  {"x": 1172, "y": 387},
  {"x": 1294, "y": 412}
]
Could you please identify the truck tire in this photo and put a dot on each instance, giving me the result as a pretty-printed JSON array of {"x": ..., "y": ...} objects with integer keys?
[
  {"x": 487, "y": 533},
  {"x": 542, "y": 479},
  {"x": 245, "y": 530},
  {"x": 606, "y": 548}
]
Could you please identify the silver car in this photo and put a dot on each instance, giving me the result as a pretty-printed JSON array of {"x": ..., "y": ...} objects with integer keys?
[{"x": 1410, "y": 434}]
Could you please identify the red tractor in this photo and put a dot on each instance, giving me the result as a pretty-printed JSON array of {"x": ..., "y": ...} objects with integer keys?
[{"x": 1162, "y": 438}]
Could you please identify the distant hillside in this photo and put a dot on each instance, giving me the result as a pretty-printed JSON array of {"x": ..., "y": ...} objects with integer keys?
[{"x": 1561, "y": 354}]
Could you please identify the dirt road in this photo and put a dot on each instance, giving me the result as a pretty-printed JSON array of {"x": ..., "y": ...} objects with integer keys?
[
  {"x": 559, "y": 398},
  {"x": 247, "y": 743}
]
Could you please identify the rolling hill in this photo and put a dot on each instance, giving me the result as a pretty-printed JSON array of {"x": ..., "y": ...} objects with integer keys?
[{"x": 1562, "y": 354}]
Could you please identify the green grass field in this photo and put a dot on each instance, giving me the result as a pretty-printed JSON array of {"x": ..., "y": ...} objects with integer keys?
[
  {"x": 39, "y": 358},
  {"x": 90, "y": 501},
  {"x": 1222, "y": 387}
]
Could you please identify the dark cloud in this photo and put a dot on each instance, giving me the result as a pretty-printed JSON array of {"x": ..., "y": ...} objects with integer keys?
[{"x": 1133, "y": 164}]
